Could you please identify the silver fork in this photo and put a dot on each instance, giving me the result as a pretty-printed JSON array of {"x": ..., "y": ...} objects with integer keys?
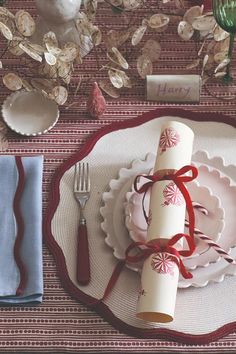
[{"x": 82, "y": 193}]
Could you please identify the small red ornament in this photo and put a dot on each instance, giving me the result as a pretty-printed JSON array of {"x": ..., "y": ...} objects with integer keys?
[{"x": 96, "y": 104}]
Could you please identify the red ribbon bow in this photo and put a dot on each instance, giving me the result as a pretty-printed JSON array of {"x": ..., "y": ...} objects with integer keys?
[
  {"x": 150, "y": 248},
  {"x": 179, "y": 178}
]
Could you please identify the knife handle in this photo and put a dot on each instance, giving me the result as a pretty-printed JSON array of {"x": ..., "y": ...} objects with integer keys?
[{"x": 83, "y": 264}]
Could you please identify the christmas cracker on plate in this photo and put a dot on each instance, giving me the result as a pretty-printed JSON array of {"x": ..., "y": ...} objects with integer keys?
[{"x": 159, "y": 278}]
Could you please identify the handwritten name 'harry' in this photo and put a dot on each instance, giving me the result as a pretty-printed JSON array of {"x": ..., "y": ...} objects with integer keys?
[
  {"x": 166, "y": 90},
  {"x": 173, "y": 88}
]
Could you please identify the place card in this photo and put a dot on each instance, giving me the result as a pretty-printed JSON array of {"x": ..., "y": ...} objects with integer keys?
[{"x": 173, "y": 88}]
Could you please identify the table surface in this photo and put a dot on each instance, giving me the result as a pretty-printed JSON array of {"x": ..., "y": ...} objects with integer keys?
[{"x": 60, "y": 323}]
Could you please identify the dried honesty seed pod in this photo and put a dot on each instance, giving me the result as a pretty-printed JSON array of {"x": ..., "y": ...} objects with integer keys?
[
  {"x": 27, "y": 85},
  {"x": 220, "y": 34},
  {"x": 144, "y": 66},
  {"x": 138, "y": 35},
  {"x": 117, "y": 58},
  {"x": 204, "y": 23},
  {"x": 185, "y": 30},
  {"x": 221, "y": 46},
  {"x": 51, "y": 43},
  {"x": 48, "y": 71},
  {"x": 69, "y": 52},
  {"x": 85, "y": 46},
  {"x": 179, "y": 4},
  {"x": 116, "y": 2},
  {"x": 83, "y": 27},
  {"x": 192, "y": 13},
  {"x": 107, "y": 87},
  {"x": 67, "y": 79},
  {"x": 50, "y": 39},
  {"x": 6, "y": 31},
  {"x": 90, "y": 8},
  {"x": 115, "y": 78},
  {"x": 132, "y": 4},
  {"x": 220, "y": 74},
  {"x": 205, "y": 34},
  {"x": 12, "y": 81},
  {"x": 116, "y": 38},
  {"x": 50, "y": 58},
  {"x": 159, "y": 22},
  {"x": 63, "y": 69},
  {"x": 14, "y": 48},
  {"x": 219, "y": 57},
  {"x": 59, "y": 94},
  {"x": 30, "y": 51},
  {"x": 152, "y": 49},
  {"x": 126, "y": 80},
  {"x": 5, "y": 12},
  {"x": 25, "y": 23},
  {"x": 42, "y": 84},
  {"x": 96, "y": 36},
  {"x": 222, "y": 65}
]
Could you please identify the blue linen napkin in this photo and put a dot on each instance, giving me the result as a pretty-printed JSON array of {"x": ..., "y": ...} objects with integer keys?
[{"x": 30, "y": 247}]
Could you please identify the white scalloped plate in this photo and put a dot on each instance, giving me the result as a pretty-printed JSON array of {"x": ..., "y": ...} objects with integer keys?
[
  {"x": 29, "y": 113},
  {"x": 215, "y": 268}
]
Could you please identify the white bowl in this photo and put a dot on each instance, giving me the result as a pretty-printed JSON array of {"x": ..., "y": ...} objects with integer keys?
[{"x": 29, "y": 113}]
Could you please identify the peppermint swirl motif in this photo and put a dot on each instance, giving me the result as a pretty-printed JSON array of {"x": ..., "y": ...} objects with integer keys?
[
  {"x": 163, "y": 263},
  {"x": 169, "y": 138},
  {"x": 172, "y": 195}
]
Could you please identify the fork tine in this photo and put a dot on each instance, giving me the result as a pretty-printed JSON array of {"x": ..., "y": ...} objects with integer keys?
[
  {"x": 88, "y": 178},
  {"x": 75, "y": 177},
  {"x": 85, "y": 177},
  {"x": 81, "y": 177}
]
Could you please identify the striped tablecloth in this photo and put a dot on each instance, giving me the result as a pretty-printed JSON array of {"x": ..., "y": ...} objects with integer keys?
[{"x": 62, "y": 324}]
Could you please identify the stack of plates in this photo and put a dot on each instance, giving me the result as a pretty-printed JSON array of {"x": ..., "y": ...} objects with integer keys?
[{"x": 214, "y": 189}]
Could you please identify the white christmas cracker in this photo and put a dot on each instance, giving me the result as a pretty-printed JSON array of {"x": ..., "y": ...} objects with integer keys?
[{"x": 160, "y": 274}]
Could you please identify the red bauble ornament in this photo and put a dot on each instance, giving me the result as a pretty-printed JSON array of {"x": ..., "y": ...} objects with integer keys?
[{"x": 96, "y": 104}]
